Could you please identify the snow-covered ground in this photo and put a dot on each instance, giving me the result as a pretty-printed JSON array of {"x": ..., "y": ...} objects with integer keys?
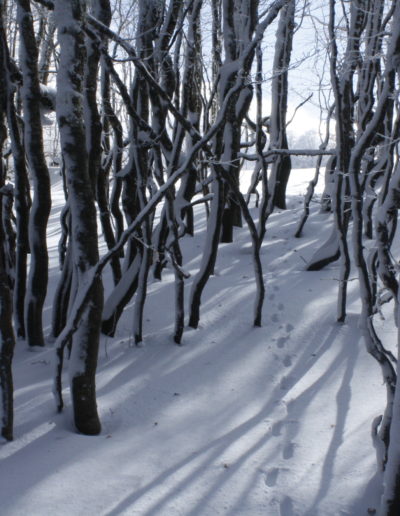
[{"x": 271, "y": 421}]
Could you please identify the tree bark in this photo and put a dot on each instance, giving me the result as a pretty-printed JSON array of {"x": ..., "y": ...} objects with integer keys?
[
  {"x": 283, "y": 48},
  {"x": 33, "y": 140},
  {"x": 84, "y": 246},
  {"x": 7, "y": 339}
]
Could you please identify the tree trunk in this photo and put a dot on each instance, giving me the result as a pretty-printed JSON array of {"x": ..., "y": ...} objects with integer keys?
[
  {"x": 30, "y": 94},
  {"x": 283, "y": 48},
  {"x": 21, "y": 191},
  {"x": 84, "y": 245},
  {"x": 7, "y": 339}
]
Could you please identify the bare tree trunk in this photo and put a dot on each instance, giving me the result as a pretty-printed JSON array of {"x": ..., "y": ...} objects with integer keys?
[
  {"x": 210, "y": 253},
  {"x": 313, "y": 183},
  {"x": 7, "y": 339},
  {"x": 30, "y": 94},
  {"x": 102, "y": 11},
  {"x": 21, "y": 194},
  {"x": 390, "y": 503},
  {"x": 69, "y": 15},
  {"x": 344, "y": 108},
  {"x": 283, "y": 48},
  {"x": 191, "y": 106},
  {"x": 46, "y": 49}
]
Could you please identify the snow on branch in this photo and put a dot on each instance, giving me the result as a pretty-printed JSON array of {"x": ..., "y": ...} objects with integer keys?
[{"x": 288, "y": 152}]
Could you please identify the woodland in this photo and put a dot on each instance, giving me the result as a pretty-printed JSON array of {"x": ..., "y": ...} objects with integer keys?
[{"x": 151, "y": 113}]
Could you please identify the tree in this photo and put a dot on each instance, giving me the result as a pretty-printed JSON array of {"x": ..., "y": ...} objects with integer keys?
[
  {"x": 83, "y": 239},
  {"x": 33, "y": 142},
  {"x": 279, "y": 100},
  {"x": 7, "y": 339}
]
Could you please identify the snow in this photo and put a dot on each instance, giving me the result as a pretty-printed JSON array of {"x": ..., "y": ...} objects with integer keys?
[{"x": 272, "y": 421}]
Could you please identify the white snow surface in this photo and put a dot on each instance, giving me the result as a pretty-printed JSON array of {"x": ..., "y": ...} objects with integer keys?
[{"x": 271, "y": 421}]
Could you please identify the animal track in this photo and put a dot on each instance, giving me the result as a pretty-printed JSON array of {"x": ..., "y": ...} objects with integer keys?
[
  {"x": 286, "y": 507},
  {"x": 289, "y": 327},
  {"x": 288, "y": 451},
  {"x": 287, "y": 361},
  {"x": 271, "y": 477},
  {"x": 287, "y": 382},
  {"x": 281, "y": 341},
  {"x": 277, "y": 428}
]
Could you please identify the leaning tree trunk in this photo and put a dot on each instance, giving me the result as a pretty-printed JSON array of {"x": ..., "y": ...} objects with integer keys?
[
  {"x": 84, "y": 245},
  {"x": 30, "y": 94}
]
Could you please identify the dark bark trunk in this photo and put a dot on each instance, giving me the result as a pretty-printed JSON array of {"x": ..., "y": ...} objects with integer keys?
[
  {"x": 22, "y": 201},
  {"x": 7, "y": 339},
  {"x": 313, "y": 183},
  {"x": 46, "y": 49},
  {"x": 210, "y": 253},
  {"x": 83, "y": 242},
  {"x": 7, "y": 344},
  {"x": 30, "y": 94},
  {"x": 283, "y": 48},
  {"x": 62, "y": 297},
  {"x": 120, "y": 297},
  {"x": 98, "y": 176}
]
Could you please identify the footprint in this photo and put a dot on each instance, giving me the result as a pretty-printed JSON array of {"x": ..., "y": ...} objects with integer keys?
[
  {"x": 281, "y": 306},
  {"x": 276, "y": 288},
  {"x": 271, "y": 297},
  {"x": 287, "y": 361},
  {"x": 281, "y": 341},
  {"x": 291, "y": 408},
  {"x": 274, "y": 318},
  {"x": 289, "y": 327},
  {"x": 287, "y": 383},
  {"x": 271, "y": 477},
  {"x": 288, "y": 451},
  {"x": 277, "y": 428},
  {"x": 286, "y": 507}
]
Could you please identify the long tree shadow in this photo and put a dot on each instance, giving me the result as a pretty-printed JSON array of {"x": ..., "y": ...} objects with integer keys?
[
  {"x": 348, "y": 357},
  {"x": 154, "y": 368},
  {"x": 215, "y": 450}
]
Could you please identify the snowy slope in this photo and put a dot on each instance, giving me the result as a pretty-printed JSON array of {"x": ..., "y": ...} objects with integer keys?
[{"x": 273, "y": 421}]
